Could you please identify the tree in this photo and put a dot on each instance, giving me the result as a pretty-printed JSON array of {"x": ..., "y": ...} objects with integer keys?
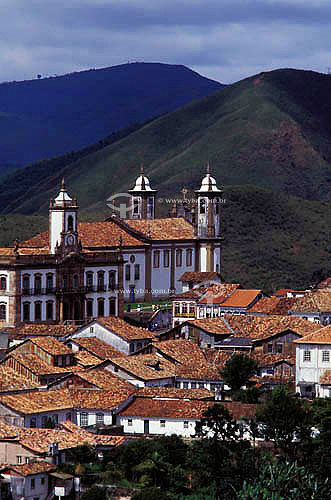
[
  {"x": 94, "y": 493},
  {"x": 285, "y": 419},
  {"x": 238, "y": 370},
  {"x": 217, "y": 423}
]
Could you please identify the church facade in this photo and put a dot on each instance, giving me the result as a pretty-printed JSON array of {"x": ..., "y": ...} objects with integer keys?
[{"x": 78, "y": 271}]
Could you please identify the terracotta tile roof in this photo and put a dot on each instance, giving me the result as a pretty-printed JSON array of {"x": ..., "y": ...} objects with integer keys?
[
  {"x": 30, "y": 469},
  {"x": 325, "y": 284},
  {"x": 198, "y": 371},
  {"x": 180, "y": 350},
  {"x": 40, "y": 329},
  {"x": 198, "y": 276},
  {"x": 182, "y": 409},
  {"x": 241, "y": 298},
  {"x": 10, "y": 380},
  {"x": 104, "y": 379},
  {"x": 92, "y": 235},
  {"x": 36, "y": 365},
  {"x": 176, "y": 228},
  {"x": 124, "y": 329},
  {"x": 62, "y": 399},
  {"x": 9, "y": 252},
  {"x": 219, "y": 358},
  {"x": 257, "y": 327},
  {"x": 173, "y": 393},
  {"x": 218, "y": 293},
  {"x": 320, "y": 336},
  {"x": 325, "y": 379},
  {"x": 51, "y": 345},
  {"x": 315, "y": 301},
  {"x": 142, "y": 366},
  {"x": 194, "y": 294},
  {"x": 68, "y": 436},
  {"x": 282, "y": 292},
  {"x": 273, "y": 305},
  {"x": 97, "y": 347},
  {"x": 85, "y": 358}
]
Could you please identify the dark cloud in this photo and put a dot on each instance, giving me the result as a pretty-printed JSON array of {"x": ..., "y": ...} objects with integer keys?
[{"x": 223, "y": 39}]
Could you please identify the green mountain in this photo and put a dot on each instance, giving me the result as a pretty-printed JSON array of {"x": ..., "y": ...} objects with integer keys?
[
  {"x": 267, "y": 139},
  {"x": 50, "y": 116}
]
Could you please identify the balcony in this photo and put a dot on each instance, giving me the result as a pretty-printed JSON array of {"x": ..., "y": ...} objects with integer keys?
[
  {"x": 185, "y": 315},
  {"x": 81, "y": 289}
]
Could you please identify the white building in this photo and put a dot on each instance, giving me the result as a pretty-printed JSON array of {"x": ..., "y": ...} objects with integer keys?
[{"x": 313, "y": 364}]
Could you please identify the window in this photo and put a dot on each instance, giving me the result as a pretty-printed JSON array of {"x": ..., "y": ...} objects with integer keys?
[
  {"x": 3, "y": 312},
  {"x": 165, "y": 258},
  {"x": 37, "y": 283},
  {"x": 33, "y": 483},
  {"x": 19, "y": 459},
  {"x": 279, "y": 348},
  {"x": 26, "y": 282},
  {"x": 49, "y": 310},
  {"x": 193, "y": 385},
  {"x": 129, "y": 422},
  {"x": 179, "y": 258},
  {"x": 70, "y": 223},
  {"x": 49, "y": 282},
  {"x": 201, "y": 386},
  {"x": 137, "y": 271},
  {"x": 37, "y": 311},
  {"x": 156, "y": 258},
  {"x": 100, "y": 418},
  {"x": 101, "y": 280},
  {"x": 111, "y": 280},
  {"x": 326, "y": 356},
  {"x": 131, "y": 347},
  {"x": 270, "y": 347},
  {"x": 177, "y": 309},
  {"x": 65, "y": 281},
  {"x": 101, "y": 307},
  {"x": 162, "y": 423},
  {"x": 76, "y": 281},
  {"x": 177, "y": 385},
  {"x": 27, "y": 460},
  {"x": 217, "y": 205},
  {"x": 185, "y": 424},
  {"x": 3, "y": 283},
  {"x": 184, "y": 308},
  {"x": 306, "y": 355},
  {"x": 202, "y": 206},
  {"x": 89, "y": 280},
  {"x": 135, "y": 206},
  {"x": 84, "y": 419},
  {"x": 192, "y": 308},
  {"x": 128, "y": 272},
  {"x": 150, "y": 207},
  {"x": 42, "y": 480},
  {"x": 185, "y": 385},
  {"x": 89, "y": 308},
  {"x": 26, "y": 311},
  {"x": 112, "y": 306},
  {"x": 68, "y": 416},
  {"x": 188, "y": 257}
]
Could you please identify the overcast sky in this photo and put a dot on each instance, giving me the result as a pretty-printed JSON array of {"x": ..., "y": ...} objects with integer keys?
[{"x": 225, "y": 40}]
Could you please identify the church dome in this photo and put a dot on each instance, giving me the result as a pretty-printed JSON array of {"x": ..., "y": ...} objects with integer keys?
[
  {"x": 142, "y": 184},
  {"x": 208, "y": 185}
]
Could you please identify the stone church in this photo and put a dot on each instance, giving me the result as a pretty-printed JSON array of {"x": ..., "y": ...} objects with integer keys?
[{"x": 77, "y": 271}]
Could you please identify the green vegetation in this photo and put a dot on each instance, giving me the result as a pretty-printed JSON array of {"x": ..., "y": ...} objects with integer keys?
[{"x": 238, "y": 370}]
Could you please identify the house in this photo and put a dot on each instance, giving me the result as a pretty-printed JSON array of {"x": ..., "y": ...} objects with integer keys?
[
  {"x": 20, "y": 445},
  {"x": 271, "y": 306},
  {"x": 82, "y": 406},
  {"x": 115, "y": 332},
  {"x": 13, "y": 382},
  {"x": 314, "y": 306},
  {"x": 193, "y": 279},
  {"x": 29, "y": 481},
  {"x": 172, "y": 416},
  {"x": 147, "y": 369},
  {"x": 157, "y": 319},
  {"x": 30, "y": 330},
  {"x": 313, "y": 363},
  {"x": 99, "y": 349},
  {"x": 93, "y": 378},
  {"x": 240, "y": 301}
]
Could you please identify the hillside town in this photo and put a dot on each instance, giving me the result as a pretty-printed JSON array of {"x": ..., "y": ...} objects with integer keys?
[{"x": 118, "y": 330}]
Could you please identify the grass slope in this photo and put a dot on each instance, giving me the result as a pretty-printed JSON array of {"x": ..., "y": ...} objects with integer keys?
[{"x": 270, "y": 130}]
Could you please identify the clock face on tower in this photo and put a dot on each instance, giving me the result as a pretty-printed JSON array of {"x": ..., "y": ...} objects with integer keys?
[{"x": 70, "y": 240}]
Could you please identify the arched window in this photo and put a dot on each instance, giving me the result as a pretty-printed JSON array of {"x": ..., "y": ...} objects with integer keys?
[
  {"x": 3, "y": 310},
  {"x": 101, "y": 307},
  {"x": 89, "y": 280},
  {"x": 37, "y": 311},
  {"x": 202, "y": 206},
  {"x": 49, "y": 282},
  {"x": 178, "y": 257},
  {"x": 70, "y": 223},
  {"x": 76, "y": 281},
  {"x": 3, "y": 283},
  {"x": 37, "y": 283},
  {"x": 26, "y": 282},
  {"x": 189, "y": 257},
  {"x": 49, "y": 310},
  {"x": 112, "y": 306},
  {"x": 101, "y": 281},
  {"x": 89, "y": 308},
  {"x": 26, "y": 311},
  {"x": 111, "y": 280}
]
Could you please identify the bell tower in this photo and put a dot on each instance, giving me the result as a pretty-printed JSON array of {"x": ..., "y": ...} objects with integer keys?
[
  {"x": 143, "y": 198},
  {"x": 208, "y": 223},
  {"x": 63, "y": 221}
]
